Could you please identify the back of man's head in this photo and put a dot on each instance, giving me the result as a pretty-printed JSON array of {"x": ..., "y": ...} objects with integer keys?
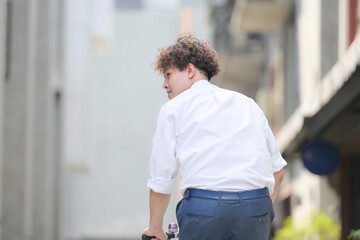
[{"x": 189, "y": 49}]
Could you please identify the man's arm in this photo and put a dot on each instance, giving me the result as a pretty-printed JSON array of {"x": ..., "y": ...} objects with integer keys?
[
  {"x": 278, "y": 179},
  {"x": 158, "y": 205}
]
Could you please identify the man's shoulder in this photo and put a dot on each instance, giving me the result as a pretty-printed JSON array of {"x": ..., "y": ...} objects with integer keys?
[{"x": 236, "y": 94}]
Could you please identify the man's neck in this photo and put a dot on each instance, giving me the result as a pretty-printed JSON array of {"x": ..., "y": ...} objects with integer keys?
[
  {"x": 198, "y": 80},
  {"x": 199, "y": 77}
]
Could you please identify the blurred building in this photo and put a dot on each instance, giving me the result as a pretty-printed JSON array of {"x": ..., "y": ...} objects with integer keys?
[
  {"x": 300, "y": 60},
  {"x": 79, "y": 99},
  {"x": 31, "y": 105}
]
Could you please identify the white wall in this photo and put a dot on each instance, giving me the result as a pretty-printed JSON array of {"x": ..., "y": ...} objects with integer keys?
[
  {"x": 309, "y": 49},
  {"x": 343, "y": 26}
]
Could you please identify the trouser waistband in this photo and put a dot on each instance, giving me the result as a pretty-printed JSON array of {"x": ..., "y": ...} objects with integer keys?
[{"x": 209, "y": 194}]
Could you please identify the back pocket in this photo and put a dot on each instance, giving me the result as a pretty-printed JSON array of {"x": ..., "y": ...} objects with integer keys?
[
  {"x": 258, "y": 207},
  {"x": 201, "y": 206}
]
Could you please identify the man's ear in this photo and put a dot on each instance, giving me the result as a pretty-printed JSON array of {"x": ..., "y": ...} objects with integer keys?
[{"x": 190, "y": 70}]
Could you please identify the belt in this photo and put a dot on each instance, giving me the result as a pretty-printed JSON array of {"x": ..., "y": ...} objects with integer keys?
[{"x": 249, "y": 194}]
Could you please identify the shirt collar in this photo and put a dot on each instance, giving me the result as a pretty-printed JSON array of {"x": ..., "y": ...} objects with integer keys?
[{"x": 200, "y": 83}]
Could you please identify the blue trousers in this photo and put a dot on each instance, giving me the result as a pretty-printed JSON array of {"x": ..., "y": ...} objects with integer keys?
[{"x": 215, "y": 215}]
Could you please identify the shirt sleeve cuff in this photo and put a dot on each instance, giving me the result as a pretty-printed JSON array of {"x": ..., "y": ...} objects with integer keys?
[
  {"x": 278, "y": 162},
  {"x": 159, "y": 185}
]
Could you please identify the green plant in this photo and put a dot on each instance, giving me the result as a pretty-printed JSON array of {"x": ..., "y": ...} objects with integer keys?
[
  {"x": 354, "y": 234},
  {"x": 315, "y": 226}
]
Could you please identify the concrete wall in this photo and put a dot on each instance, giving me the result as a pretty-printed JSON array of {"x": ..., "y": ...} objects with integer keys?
[
  {"x": 31, "y": 164},
  {"x": 329, "y": 34},
  {"x": 15, "y": 189},
  {"x": 2, "y": 82},
  {"x": 291, "y": 83},
  {"x": 343, "y": 26}
]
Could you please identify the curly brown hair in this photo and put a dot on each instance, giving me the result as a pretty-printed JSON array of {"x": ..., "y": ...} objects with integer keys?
[{"x": 189, "y": 49}]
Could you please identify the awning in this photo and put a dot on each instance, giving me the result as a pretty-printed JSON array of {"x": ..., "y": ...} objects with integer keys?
[
  {"x": 335, "y": 110},
  {"x": 260, "y": 16}
]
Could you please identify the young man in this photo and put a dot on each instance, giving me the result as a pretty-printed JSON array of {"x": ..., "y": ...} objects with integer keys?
[{"x": 230, "y": 165}]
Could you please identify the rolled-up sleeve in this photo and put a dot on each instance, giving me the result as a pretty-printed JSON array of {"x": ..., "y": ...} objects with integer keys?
[
  {"x": 163, "y": 166},
  {"x": 277, "y": 161}
]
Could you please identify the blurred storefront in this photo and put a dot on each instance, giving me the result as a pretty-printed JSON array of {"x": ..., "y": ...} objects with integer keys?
[{"x": 300, "y": 60}]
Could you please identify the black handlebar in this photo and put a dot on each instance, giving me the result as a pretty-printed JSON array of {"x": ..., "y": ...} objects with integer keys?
[
  {"x": 172, "y": 232},
  {"x": 169, "y": 234}
]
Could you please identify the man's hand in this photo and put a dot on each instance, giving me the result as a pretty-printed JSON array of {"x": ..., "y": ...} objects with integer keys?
[
  {"x": 158, "y": 205},
  {"x": 158, "y": 233},
  {"x": 278, "y": 179}
]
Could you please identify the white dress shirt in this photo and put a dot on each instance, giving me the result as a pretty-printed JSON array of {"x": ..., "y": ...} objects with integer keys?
[{"x": 219, "y": 140}]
